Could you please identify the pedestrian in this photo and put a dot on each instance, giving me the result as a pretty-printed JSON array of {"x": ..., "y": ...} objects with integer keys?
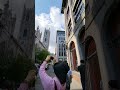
[
  {"x": 68, "y": 79},
  {"x": 25, "y": 85},
  {"x": 81, "y": 69},
  {"x": 59, "y": 81}
]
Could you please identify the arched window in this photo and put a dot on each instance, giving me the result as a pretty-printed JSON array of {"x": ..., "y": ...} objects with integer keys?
[
  {"x": 81, "y": 39},
  {"x": 25, "y": 33}
]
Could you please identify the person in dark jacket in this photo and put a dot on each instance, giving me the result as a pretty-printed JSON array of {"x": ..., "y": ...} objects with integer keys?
[{"x": 81, "y": 69}]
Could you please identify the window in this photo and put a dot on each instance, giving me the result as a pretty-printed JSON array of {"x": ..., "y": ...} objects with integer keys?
[
  {"x": 78, "y": 10},
  {"x": 59, "y": 53},
  {"x": 69, "y": 27},
  {"x": 59, "y": 49},
  {"x": 25, "y": 33},
  {"x": 67, "y": 13},
  {"x": 64, "y": 53},
  {"x": 59, "y": 46},
  {"x": 45, "y": 39},
  {"x": 27, "y": 17},
  {"x": 65, "y": 59},
  {"x": 60, "y": 59}
]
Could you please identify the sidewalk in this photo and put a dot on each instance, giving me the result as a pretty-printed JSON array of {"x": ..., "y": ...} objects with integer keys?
[
  {"x": 38, "y": 84},
  {"x": 76, "y": 83}
]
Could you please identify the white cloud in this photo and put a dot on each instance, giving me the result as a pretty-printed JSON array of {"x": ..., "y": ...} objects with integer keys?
[{"x": 54, "y": 20}]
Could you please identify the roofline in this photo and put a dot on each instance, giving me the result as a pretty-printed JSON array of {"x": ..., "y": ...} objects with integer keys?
[
  {"x": 60, "y": 31},
  {"x": 64, "y": 2},
  {"x": 42, "y": 44}
]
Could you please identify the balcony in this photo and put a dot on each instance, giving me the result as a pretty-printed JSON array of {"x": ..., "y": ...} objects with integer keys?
[
  {"x": 79, "y": 12},
  {"x": 76, "y": 4},
  {"x": 69, "y": 28}
]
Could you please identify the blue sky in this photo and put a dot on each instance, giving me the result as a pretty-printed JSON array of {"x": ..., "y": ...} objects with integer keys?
[
  {"x": 48, "y": 15},
  {"x": 43, "y": 6}
]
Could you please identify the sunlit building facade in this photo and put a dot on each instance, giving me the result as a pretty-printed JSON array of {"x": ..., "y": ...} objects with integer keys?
[
  {"x": 60, "y": 46},
  {"x": 74, "y": 12}
]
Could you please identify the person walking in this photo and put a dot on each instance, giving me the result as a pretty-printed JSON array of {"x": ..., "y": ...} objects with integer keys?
[
  {"x": 25, "y": 85},
  {"x": 81, "y": 69},
  {"x": 68, "y": 79}
]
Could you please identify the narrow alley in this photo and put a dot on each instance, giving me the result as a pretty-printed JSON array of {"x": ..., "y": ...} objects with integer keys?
[{"x": 75, "y": 85}]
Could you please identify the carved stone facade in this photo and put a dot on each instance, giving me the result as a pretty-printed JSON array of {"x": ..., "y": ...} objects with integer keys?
[
  {"x": 11, "y": 46},
  {"x": 38, "y": 44},
  {"x": 7, "y": 25},
  {"x": 46, "y": 38},
  {"x": 27, "y": 31}
]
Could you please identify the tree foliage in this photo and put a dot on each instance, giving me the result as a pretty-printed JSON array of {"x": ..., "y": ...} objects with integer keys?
[
  {"x": 17, "y": 69},
  {"x": 41, "y": 55},
  {"x": 20, "y": 68}
]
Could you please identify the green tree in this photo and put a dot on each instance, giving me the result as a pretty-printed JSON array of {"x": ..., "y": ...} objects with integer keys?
[
  {"x": 20, "y": 68},
  {"x": 41, "y": 55}
]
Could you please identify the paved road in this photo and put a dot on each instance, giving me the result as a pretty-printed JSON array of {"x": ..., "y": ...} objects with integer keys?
[{"x": 75, "y": 85}]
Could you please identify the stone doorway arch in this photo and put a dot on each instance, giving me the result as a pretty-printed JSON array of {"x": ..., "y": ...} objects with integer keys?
[{"x": 93, "y": 75}]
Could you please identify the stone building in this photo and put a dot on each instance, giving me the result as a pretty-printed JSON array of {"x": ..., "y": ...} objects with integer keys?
[
  {"x": 60, "y": 46},
  {"x": 38, "y": 34},
  {"x": 74, "y": 12},
  {"x": 38, "y": 44},
  {"x": 99, "y": 43},
  {"x": 11, "y": 26},
  {"x": 102, "y": 45},
  {"x": 7, "y": 25},
  {"x": 46, "y": 38},
  {"x": 27, "y": 31}
]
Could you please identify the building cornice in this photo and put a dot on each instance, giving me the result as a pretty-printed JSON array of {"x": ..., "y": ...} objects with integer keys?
[{"x": 64, "y": 2}]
